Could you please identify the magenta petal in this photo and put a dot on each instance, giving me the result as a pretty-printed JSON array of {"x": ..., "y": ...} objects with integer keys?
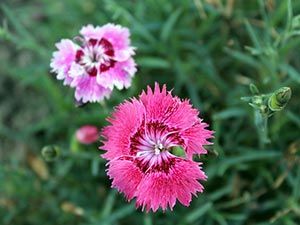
[
  {"x": 195, "y": 137},
  {"x": 161, "y": 105},
  {"x": 126, "y": 176},
  {"x": 161, "y": 189},
  {"x": 125, "y": 122}
]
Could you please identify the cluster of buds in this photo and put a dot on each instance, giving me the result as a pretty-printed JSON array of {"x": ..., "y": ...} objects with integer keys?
[
  {"x": 268, "y": 104},
  {"x": 265, "y": 106}
]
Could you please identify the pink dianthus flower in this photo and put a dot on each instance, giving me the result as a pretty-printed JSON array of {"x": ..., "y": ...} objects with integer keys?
[
  {"x": 139, "y": 143},
  {"x": 99, "y": 60}
]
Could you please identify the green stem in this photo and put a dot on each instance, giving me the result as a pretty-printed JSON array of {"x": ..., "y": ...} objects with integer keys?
[{"x": 261, "y": 122}]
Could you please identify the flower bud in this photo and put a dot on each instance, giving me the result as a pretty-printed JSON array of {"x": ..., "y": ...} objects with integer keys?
[
  {"x": 50, "y": 152},
  {"x": 87, "y": 134},
  {"x": 279, "y": 98}
]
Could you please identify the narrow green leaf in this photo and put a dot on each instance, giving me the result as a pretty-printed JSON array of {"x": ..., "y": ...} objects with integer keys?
[
  {"x": 291, "y": 72},
  {"x": 17, "y": 24},
  {"x": 95, "y": 166},
  {"x": 118, "y": 214},
  {"x": 242, "y": 57},
  {"x": 109, "y": 203},
  {"x": 230, "y": 113},
  {"x": 296, "y": 187},
  {"x": 247, "y": 157},
  {"x": 153, "y": 62},
  {"x": 169, "y": 25},
  {"x": 194, "y": 215},
  {"x": 293, "y": 117},
  {"x": 253, "y": 35},
  {"x": 289, "y": 14},
  {"x": 218, "y": 217}
]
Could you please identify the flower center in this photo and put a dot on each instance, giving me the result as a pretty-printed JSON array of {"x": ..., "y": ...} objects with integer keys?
[
  {"x": 151, "y": 150},
  {"x": 96, "y": 56},
  {"x": 151, "y": 146},
  {"x": 158, "y": 149}
]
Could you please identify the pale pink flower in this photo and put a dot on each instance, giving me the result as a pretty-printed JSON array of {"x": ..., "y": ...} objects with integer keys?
[
  {"x": 87, "y": 134},
  {"x": 99, "y": 60},
  {"x": 139, "y": 144}
]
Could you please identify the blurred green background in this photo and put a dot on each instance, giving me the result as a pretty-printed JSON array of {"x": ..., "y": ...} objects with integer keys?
[{"x": 206, "y": 50}]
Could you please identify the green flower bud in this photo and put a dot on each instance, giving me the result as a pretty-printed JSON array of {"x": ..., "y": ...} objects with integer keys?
[
  {"x": 50, "y": 152},
  {"x": 279, "y": 98}
]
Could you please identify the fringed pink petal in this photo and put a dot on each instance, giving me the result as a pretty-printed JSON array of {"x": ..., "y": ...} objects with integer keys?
[
  {"x": 119, "y": 36},
  {"x": 160, "y": 189},
  {"x": 162, "y": 106},
  {"x": 125, "y": 176},
  {"x": 91, "y": 32},
  {"x": 88, "y": 90},
  {"x": 125, "y": 121},
  {"x": 120, "y": 75},
  {"x": 195, "y": 137},
  {"x": 62, "y": 60},
  {"x": 157, "y": 103}
]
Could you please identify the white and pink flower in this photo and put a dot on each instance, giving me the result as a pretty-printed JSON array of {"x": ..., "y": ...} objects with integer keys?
[{"x": 96, "y": 62}]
